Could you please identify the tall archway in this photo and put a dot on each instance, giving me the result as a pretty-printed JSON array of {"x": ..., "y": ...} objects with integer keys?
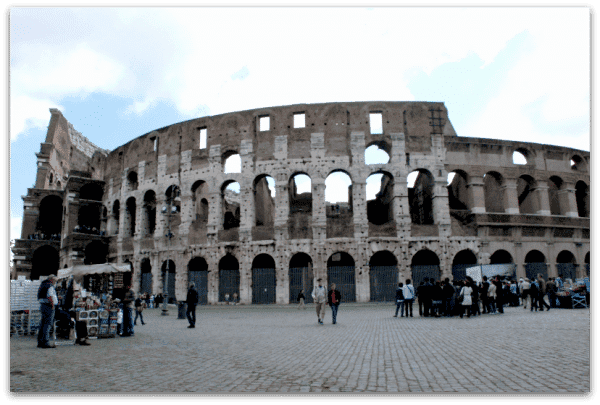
[
  {"x": 170, "y": 279},
  {"x": 501, "y": 257},
  {"x": 146, "y": 277},
  {"x": 300, "y": 199},
  {"x": 582, "y": 197},
  {"x": 380, "y": 199},
  {"x": 528, "y": 203},
  {"x": 457, "y": 190},
  {"x": 301, "y": 277},
  {"x": 425, "y": 263},
  {"x": 230, "y": 197},
  {"x": 493, "y": 192},
  {"x": 340, "y": 271},
  {"x": 200, "y": 201},
  {"x": 338, "y": 205},
  {"x": 50, "y": 218},
  {"x": 198, "y": 274},
  {"x": 566, "y": 266},
  {"x": 45, "y": 261},
  {"x": 535, "y": 263},
  {"x": 383, "y": 276},
  {"x": 554, "y": 186},
  {"x": 462, "y": 260},
  {"x": 96, "y": 252},
  {"x": 149, "y": 213},
  {"x": 115, "y": 217},
  {"x": 420, "y": 197},
  {"x": 587, "y": 264},
  {"x": 263, "y": 280},
  {"x": 229, "y": 277},
  {"x": 91, "y": 191},
  {"x": 130, "y": 216},
  {"x": 264, "y": 201}
]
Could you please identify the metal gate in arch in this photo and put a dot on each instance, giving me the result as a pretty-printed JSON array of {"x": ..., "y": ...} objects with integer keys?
[
  {"x": 229, "y": 283},
  {"x": 344, "y": 279},
  {"x": 419, "y": 272},
  {"x": 200, "y": 279},
  {"x": 301, "y": 278},
  {"x": 146, "y": 283},
  {"x": 567, "y": 270},
  {"x": 383, "y": 280},
  {"x": 170, "y": 286},
  {"x": 533, "y": 269},
  {"x": 263, "y": 286}
]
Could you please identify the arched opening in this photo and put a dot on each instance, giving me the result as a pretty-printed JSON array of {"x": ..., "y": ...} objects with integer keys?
[
  {"x": 88, "y": 217},
  {"x": 169, "y": 266},
  {"x": 577, "y": 163},
  {"x": 50, "y": 218},
  {"x": 501, "y": 257},
  {"x": 172, "y": 208},
  {"x": 493, "y": 192},
  {"x": 378, "y": 153},
  {"x": 535, "y": 263},
  {"x": 554, "y": 185},
  {"x": 587, "y": 264},
  {"x": 200, "y": 201},
  {"x": 198, "y": 274},
  {"x": 300, "y": 198},
  {"x": 132, "y": 181},
  {"x": 263, "y": 279},
  {"x": 380, "y": 202},
  {"x": 582, "y": 196},
  {"x": 264, "y": 201},
  {"x": 457, "y": 190},
  {"x": 116, "y": 213},
  {"x": 526, "y": 196},
  {"x": 91, "y": 191},
  {"x": 45, "y": 261},
  {"x": 301, "y": 277},
  {"x": 146, "y": 277},
  {"x": 338, "y": 205},
  {"x": 566, "y": 266},
  {"x": 230, "y": 195},
  {"x": 340, "y": 271},
  {"x": 130, "y": 217},
  {"x": 383, "y": 276},
  {"x": 462, "y": 260},
  {"x": 232, "y": 162},
  {"x": 149, "y": 213},
  {"x": 520, "y": 157},
  {"x": 229, "y": 277},
  {"x": 96, "y": 252},
  {"x": 425, "y": 263},
  {"x": 420, "y": 197}
]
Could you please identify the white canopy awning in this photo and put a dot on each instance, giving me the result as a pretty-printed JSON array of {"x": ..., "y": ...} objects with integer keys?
[{"x": 85, "y": 269}]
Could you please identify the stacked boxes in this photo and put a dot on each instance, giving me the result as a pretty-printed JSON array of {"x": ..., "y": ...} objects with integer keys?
[
  {"x": 24, "y": 306},
  {"x": 112, "y": 322},
  {"x": 92, "y": 322}
]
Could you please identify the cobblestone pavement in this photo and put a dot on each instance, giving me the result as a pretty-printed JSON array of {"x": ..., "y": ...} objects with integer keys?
[{"x": 279, "y": 349}]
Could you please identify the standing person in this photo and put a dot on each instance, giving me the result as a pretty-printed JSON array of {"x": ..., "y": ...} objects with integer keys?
[
  {"x": 448, "y": 295},
  {"x": 542, "y": 293},
  {"x": 191, "y": 301},
  {"x": 48, "y": 300},
  {"x": 534, "y": 294},
  {"x": 428, "y": 295},
  {"x": 128, "y": 303},
  {"x": 140, "y": 304},
  {"x": 499, "y": 295},
  {"x": 319, "y": 295},
  {"x": 483, "y": 294},
  {"x": 301, "y": 300},
  {"x": 475, "y": 310},
  {"x": 333, "y": 298},
  {"x": 551, "y": 291},
  {"x": 399, "y": 300},
  {"x": 408, "y": 291},
  {"x": 492, "y": 298},
  {"x": 524, "y": 290},
  {"x": 421, "y": 296},
  {"x": 467, "y": 302}
]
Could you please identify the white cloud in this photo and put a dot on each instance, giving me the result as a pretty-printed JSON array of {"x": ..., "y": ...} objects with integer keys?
[
  {"x": 16, "y": 224},
  {"x": 27, "y": 112}
]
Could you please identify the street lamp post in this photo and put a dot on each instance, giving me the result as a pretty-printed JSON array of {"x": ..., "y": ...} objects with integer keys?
[{"x": 168, "y": 211}]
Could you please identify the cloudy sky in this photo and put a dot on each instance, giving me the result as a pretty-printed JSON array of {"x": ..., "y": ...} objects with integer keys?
[{"x": 118, "y": 73}]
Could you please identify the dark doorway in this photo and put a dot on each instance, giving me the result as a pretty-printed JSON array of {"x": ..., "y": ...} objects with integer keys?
[
  {"x": 340, "y": 271},
  {"x": 229, "y": 277},
  {"x": 198, "y": 274},
  {"x": 383, "y": 276},
  {"x": 301, "y": 277},
  {"x": 425, "y": 263},
  {"x": 263, "y": 280}
]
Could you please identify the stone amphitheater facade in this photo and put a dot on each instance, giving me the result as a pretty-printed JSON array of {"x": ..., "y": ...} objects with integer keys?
[{"x": 122, "y": 205}]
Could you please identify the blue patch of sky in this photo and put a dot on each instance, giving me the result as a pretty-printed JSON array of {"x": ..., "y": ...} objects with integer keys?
[
  {"x": 241, "y": 74},
  {"x": 466, "y": 85}
]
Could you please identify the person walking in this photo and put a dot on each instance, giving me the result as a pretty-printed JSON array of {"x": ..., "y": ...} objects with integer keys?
[
  {"x": 534, "y": 294},
  {"x": 191, "y": 301},
  {"x": 524, "y": 289},
  {"x": 499, "y": 295},
  {"x": 140, "y": 304},
  {"x": 542, "y": 293},
  {"x": 492, "y": 298},
  {"x": 333, "y": 299},
  {"x": 551, "y": 291},
  {"x": 408, "y": 291},
  {"x": 301, "y": 300},
  {"x": 319, "y": 296},
  {"x": 399, "y": 300},
  {"x": 128, "y": 304},
  {"x": 467, "y": 301},
  {"x": 483, "y": 295},
  {"x": 48, "y": 300}
]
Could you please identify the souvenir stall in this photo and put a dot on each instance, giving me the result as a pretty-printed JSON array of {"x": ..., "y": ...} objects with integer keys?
[
  {"x": 95, "y": 290},
  {"x": 574, "y": 294}
]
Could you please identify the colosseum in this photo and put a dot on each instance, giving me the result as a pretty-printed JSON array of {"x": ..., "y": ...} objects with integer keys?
[{"x": 170, "y": 202}]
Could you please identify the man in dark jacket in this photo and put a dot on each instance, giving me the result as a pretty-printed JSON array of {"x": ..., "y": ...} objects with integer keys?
[
  {"x": 448, "y": 294},
  {"x": 333, "y": 298},
  {"x": 128, "y": 305},
  {"x": 483, "y": 295},
  {"x": 191, "y": 301},
  {"x": 400, "y": 300}
]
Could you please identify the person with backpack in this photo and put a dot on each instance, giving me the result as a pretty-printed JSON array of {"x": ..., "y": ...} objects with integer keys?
[
  {"x": 408, "y": 291},
  {"x": 534, "y": 294},
  {"x": 399, "y": 301},
  {"x": 140, "y": 304},
  {"x": 191, "y": 301}
]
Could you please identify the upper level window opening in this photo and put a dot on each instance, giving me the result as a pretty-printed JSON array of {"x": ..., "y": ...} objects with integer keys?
[
  {"x": 374, "y": 154},
  {"x": 519, "y": 158},
  {"x": 202, "y": 138},
  {"x": 154, "y": 143},
  {"x": 299, "y": 120},
  {"x": 376, "y": 123},
  {"x": 233, "y": 164},
  {"x": 264, "y": 123}
]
